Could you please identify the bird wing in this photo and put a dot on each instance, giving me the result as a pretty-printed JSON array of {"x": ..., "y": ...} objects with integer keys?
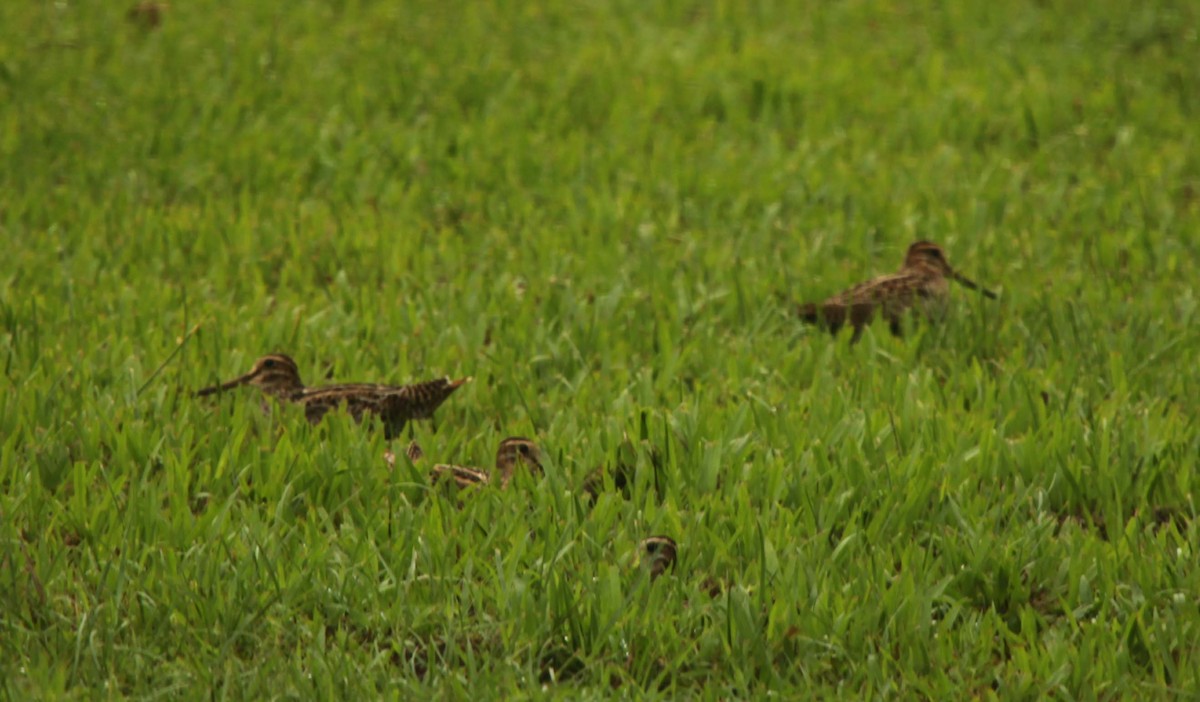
[
  {"x": 461, "y": 475},
  {"x": 417, "y": 401},
  {"x": 358, "y": 399},
  {"x": 856, "y": 305}
]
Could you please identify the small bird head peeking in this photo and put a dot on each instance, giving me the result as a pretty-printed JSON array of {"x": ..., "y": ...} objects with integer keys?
[
  {"x": 658, "y": 554},
  {"x": 276, "y": 374},
  {"x": 517, "y": 450}
]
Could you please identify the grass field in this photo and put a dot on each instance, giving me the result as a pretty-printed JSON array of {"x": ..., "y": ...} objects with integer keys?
[{"x": 604, "y": 212}]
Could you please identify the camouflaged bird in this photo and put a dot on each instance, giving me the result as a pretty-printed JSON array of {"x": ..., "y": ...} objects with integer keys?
[
  {"x": 511, "y": 452},
  {"x": 658, "y": 554},
  {"x": 921, "y": 281},
  {"x": 395, "y": 405},
  {"x": 623, "y": 469}
]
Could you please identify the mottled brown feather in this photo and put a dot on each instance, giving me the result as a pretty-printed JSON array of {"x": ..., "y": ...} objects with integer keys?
[
  {"x": 658, "y": 553},
  {"x": 395, "y": 405},
  {"x": 511, "y": 452},
  {"x": 922, "y": 279},
  {"x": 462, "y": 476}
]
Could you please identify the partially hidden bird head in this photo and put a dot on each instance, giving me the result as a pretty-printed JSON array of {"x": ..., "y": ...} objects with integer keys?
[
  {"x": 658, "y": 554},
  {"x": 276, "y": 374},
  {"x": 929, "y": 256},
  {"x": 517, "y": 450}
]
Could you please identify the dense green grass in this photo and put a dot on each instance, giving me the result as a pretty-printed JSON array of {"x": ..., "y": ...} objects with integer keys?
[{"x": 602, "y": 211}]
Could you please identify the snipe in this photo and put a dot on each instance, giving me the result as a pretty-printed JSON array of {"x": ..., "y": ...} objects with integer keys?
[
  {"x": 922, "y": 280},
  {"x": 623, "y": 469},
  {"x": 395, "y": 405},
  {"x": 511, "y": 452},
  {"x": 658, "y": 554}
]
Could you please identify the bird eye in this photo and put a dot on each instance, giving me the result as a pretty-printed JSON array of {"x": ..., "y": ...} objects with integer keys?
[{"x": 269, "y": 363}]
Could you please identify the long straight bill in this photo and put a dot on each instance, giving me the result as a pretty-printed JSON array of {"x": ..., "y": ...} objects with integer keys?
[
  {"x": 224, "y": 386},
  {"x": 972, "y": 285}
]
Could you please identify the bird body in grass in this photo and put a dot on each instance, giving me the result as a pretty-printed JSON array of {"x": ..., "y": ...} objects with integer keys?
[
  {"x": 512, "y": 452},
  {"x": 921, "y": 282},
  {"x": 278, "y": 376}
]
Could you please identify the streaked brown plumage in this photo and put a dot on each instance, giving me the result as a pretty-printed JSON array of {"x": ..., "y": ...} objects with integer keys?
[
  {"x": 921, "y": 280},
  {"x": 511, "y": 452},
  {"x": 623, "y": 469},
  {"x": 463, "y": 476},
  {"x": 658, "y": 554},
  {"x": 621, "y": 473},
  {"x": 414, "y": 452},
  {"x": 395, "y": 405}
]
